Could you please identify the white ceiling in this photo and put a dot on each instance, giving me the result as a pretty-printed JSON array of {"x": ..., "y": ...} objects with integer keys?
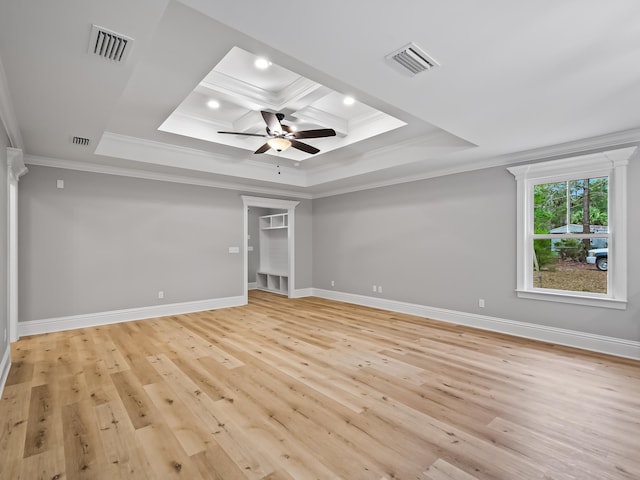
[
  {"x": 241, "y": 90},
  {"x": 516, "y": 81}
]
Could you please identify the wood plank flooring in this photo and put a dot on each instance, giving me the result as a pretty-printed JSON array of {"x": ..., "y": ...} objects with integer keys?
[{"x": 308, "y": 388}]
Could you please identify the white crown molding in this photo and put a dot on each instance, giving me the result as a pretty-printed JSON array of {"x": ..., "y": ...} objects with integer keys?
[
  {"x": 586, "y": 341},
  {"x": 160, "y": 153},
  {"x": 618, "y": 140},
  {"x": 161, "y": 177},
  {"x": 15, "y": 162},
  {"x": 5, "y": 366},
  {"x": 611, "y": 141},
  {"x": 49, "y": 325},
  {"x": 7, "y": 113},
  {"x": 324, "y": 174}
]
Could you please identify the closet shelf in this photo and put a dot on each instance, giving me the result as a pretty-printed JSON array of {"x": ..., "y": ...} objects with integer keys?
[{"x": 272, "y": 274}]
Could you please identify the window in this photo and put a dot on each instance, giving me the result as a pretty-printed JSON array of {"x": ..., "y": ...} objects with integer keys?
[{"x": 572, "y": 229}]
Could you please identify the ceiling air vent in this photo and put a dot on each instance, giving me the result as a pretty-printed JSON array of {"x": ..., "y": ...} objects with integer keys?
[
  {"x": 110, "y": 45},
  {"x": 80, "y": 141},
  {"x": 412, "y": 59}
]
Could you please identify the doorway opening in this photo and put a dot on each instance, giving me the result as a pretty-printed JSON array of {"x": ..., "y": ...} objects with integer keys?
[{"x": 275, "y": 242}]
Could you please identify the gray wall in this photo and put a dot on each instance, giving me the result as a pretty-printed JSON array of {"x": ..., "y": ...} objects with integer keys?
[
  {"x": 4, "y": 264},
  {"x": 106, "y": 243},
  {"x": 304, "y": 245},
  {"x": 447, "y": 242}
]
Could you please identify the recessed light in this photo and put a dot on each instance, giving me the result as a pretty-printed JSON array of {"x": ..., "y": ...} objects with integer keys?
[
  {"x": 348, "y": 100},
  {"x": 213, "y": 104},
  {"x": 262, "y": 63}
]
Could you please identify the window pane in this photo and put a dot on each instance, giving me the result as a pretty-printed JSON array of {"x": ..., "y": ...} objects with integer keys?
[
  {"x": 575, "y": 206},
  {"x": 571, "y": 264}
]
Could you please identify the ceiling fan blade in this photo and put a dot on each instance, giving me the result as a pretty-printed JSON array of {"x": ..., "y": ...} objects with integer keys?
[
  {"x": 247, "y": 134},
  {"x": 322, "y": 132},
  {"x": 304, "y": 147},
  {"x": 263, "y": 148},
  {"x": 273, "y": 124}
]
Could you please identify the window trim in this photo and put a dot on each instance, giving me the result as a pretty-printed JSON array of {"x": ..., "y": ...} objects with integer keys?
[{"x": 611, "y": 163}]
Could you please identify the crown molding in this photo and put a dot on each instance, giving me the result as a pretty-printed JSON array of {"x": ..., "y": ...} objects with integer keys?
[
  {"x": 161, "y": 177},
  {"x": 7, "y": 113},
  {"x": 594, "y": 145},
  {"x": 251, "y": 94},
  {"x": 15, "y": 162},
  {"x": 615, "y": 140},
  {"x": 587, "y": 146},
  {"x": 169, "y": 155}
]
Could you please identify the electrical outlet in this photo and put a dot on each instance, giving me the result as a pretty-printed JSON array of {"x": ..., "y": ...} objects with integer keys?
[
  {"x": 60, "y": 183},
  {"x": 481, "y": 302},
  {"x": 160, "y": 294},
  {"x": 375, "y": 289},
  {"x": 333, "y": 284},
  {"x": 379, "y": 288}
]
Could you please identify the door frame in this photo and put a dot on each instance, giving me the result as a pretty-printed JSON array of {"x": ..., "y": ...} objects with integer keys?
[{"x": 262, "y": 202}]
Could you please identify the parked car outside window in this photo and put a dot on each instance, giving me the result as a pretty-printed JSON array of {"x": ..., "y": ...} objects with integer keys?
[{"x": 598, "y": 256}]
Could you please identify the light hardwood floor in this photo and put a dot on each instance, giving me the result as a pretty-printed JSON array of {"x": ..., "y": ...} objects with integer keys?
[{"x": 311, "y": 388}]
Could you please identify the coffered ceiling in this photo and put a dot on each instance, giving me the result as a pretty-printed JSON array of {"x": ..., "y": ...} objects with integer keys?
[{"x": 515, "y": 81}]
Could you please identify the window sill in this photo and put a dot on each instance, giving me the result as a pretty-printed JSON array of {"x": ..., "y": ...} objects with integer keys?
[{"x": 576, "y": 299}]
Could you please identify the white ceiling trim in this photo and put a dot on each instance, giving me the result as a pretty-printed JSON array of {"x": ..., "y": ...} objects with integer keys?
[
  {"x": 149, "y": 151},
  {"x": 623, "y": 139},
  {"x": 220, "y": 82},
  {"x": 161, "y": 177},
  {"x": 8, "y": 114},
  {"x": 618, "y": 139},
  {"x": 327, "y": 120}
]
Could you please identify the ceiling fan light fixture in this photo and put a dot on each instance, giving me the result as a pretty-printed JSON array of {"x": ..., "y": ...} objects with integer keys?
[{"x": 279, "y": 144}]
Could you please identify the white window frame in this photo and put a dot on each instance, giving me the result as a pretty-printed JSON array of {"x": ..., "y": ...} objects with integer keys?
[{"x": 612, "y": 164}]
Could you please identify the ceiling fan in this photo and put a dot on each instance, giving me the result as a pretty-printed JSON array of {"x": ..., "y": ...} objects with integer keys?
[{"x": 282, "y": 136}]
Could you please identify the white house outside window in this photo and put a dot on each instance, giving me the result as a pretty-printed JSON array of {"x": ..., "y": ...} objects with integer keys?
[{"x": 572, "y": 241}]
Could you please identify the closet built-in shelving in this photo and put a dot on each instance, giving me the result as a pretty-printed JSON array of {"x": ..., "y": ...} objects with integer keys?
[{"x": 273, "y": 273}]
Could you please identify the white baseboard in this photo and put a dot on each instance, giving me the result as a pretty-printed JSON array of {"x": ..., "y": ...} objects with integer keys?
[
  {"x": 59, "y": 324},
  {"x": 5, "y": 366},
  {"x": 571, "y": 338},
  {"x": 252, "y": 286},
  {"x": 302, "y": 292}
]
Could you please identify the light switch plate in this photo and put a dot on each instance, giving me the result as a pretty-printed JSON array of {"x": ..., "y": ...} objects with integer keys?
[{"x": 234, "y": 249}]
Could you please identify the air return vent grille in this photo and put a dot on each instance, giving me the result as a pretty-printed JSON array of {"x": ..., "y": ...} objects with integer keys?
[
  {"x": 110, "y": 45},
  {"x": 80, "y": 141},
  {"x": 413, "y": 59}
]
